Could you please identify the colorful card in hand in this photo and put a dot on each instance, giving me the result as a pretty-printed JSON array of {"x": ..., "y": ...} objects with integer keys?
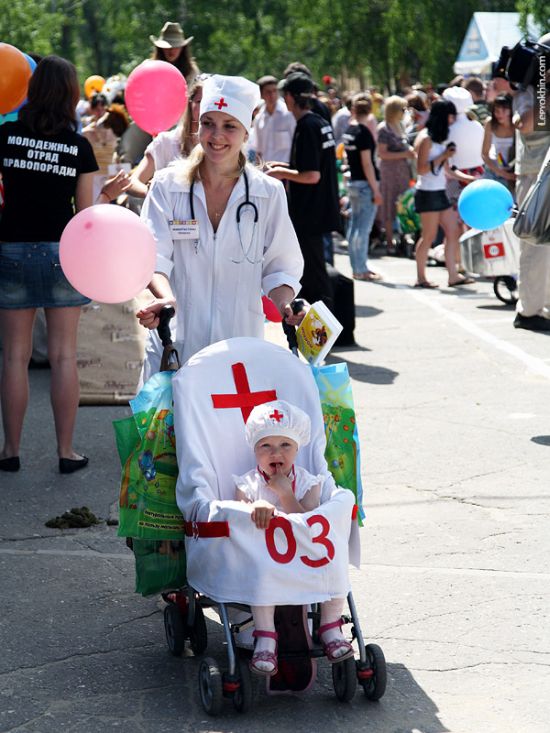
[{"x": 317, "y": 333}]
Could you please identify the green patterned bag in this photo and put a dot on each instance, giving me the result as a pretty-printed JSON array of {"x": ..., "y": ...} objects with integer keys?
[
  {"x": 149, "y": 514},
  {"x": 148, "y": 508},
  {"x": 343, "y": 451}
]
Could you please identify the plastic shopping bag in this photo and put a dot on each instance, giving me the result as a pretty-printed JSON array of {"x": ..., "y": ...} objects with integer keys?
[
  {"x": 160, "y": 565},
  {"x": 149, "y": 514},
  {"x": 343, "y": 451},
  {"x": 148, "y": 508}
]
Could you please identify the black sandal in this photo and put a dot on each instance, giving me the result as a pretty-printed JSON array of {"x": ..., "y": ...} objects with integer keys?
[{"x": 425, "y": 284}]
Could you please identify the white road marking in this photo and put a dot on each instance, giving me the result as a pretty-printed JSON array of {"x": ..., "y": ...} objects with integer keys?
[
  {"x": 533, "y": 363},
  {"x": 67, "y": 553},
  {"x": 528, "y": 575}
]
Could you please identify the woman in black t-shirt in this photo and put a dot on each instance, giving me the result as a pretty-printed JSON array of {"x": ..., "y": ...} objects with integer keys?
[
  {"x": 364, "y": 193},
  {"x": 47, "y": 170}
]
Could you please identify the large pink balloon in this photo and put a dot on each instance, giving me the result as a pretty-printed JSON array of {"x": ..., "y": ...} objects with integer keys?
[
  {"x": 107, "y": 253},
  {"x": 156, "y": 95}
]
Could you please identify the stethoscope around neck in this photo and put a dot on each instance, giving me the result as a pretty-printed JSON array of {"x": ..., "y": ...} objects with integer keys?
[{"x": 240, "y": 207}]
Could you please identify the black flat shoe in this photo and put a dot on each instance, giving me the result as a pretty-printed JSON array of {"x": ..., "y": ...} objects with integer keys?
[
  {"x": 10, "y": 464},
  {"x": 70, "y": 465}
]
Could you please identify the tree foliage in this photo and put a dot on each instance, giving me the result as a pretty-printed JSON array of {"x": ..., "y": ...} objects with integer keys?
[
  {"x": 538, "y": 9},
  {"x": 383, "y": 42}
]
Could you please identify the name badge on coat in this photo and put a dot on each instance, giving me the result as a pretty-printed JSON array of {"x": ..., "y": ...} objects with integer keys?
[{"x": 184, "y": 229}]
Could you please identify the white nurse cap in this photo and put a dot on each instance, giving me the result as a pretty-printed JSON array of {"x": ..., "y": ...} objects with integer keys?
[
  {"x": 278, "y": 418},
  {"x": 234, "y": 95}
]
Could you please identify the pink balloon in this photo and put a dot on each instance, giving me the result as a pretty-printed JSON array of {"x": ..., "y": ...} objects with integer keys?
[
  {"x": 156, "y": 95},
  {"x": 107, "y": 253},
  {"x": 271, "y": 312}
]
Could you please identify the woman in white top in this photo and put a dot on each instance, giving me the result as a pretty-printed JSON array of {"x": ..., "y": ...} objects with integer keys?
[
  {"x": 222, "y": 230},
  {"x": 169, "y": 146},
  {"x": 498, "y": 142},
  {"x": 431, "y": 200}
]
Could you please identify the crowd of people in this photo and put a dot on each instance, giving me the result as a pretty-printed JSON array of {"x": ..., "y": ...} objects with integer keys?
[
  {"x": 345, "y": 159},
  {"x": 242, "y": 198}
]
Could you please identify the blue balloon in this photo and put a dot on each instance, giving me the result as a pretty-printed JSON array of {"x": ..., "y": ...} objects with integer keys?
[
  {"x": 32, "y": 63},
  {"x": 10, "y": 117},
  {"x": 485, "y": 204}
]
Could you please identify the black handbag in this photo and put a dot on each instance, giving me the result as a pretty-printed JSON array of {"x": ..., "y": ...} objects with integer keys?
[{"x": 532, "y": 223}]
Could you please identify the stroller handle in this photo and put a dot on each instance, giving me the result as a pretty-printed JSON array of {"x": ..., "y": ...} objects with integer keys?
[
  {"x": 290, "y": 331},
  {"x": 167, "y": 312}
]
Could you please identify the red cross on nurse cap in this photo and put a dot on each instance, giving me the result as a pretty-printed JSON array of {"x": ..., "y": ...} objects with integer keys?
[
  {"x": 234, "y": 95},
  {"x": 278, "y": 418}
]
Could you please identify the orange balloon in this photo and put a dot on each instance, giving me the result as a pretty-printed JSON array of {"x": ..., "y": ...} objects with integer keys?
[
  {"x": 93, "y": 85},
  {"x": 15, "y": 73}
]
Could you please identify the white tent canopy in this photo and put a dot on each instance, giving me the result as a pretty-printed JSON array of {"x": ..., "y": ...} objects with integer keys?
[{"x": 486, "y": 35}]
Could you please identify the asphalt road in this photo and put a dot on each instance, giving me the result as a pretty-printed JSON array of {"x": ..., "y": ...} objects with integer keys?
[{"x": 453, "y": 413}]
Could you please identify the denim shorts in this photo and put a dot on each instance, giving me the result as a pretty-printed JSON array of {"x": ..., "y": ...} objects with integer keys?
[
  {"x": 31, "y": 277},
  {"x": 427, "y": 201}
]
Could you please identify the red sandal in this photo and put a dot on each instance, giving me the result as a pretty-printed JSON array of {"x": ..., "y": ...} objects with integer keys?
[
  {"x": 332, "y": 647},
  {"x": 265, "y": 656}
]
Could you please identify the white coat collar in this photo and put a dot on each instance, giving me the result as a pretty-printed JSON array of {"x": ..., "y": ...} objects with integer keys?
[{"x": 261, "y": 186}]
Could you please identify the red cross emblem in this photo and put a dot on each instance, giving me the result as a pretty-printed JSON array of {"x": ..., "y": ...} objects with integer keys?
[
  {"x": 277, "y": 415},
  {"x": 244, "y": 399},
  {"x": 221, "y": 103}
]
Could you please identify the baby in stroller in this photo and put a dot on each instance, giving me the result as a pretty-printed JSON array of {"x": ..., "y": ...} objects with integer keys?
[{"x": 276, "y": 430}]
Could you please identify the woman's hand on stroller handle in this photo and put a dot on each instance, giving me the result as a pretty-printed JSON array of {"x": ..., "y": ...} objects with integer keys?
[
  {"x": 149, "y": 316},
  {"x": 292, "y": 311},
  {"x": 293, "y": 315},
  {"x": 295, "y": 312}
]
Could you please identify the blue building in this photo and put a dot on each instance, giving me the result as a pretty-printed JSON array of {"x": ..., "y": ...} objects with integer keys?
[{"x": 486, "y": 35}]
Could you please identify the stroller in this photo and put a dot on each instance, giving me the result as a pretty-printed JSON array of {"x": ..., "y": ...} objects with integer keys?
[
  {"x": 494, "y": 254},
  {"x": 230, "y": 564}
]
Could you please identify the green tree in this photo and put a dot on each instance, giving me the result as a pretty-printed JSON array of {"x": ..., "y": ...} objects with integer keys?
[
  {"x": 539, "y": 10},
  {"x": 31, "y": 26},
  {"x": 385, "y": 42}
]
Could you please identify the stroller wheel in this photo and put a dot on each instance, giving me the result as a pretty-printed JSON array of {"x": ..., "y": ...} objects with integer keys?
[
  {"x": 505, "y": 288},
  {"x": 174, "y": 626},
  {"x": 344, "y": 679},
  {"x": 243, "y": 695},
  {"x": 198, "y": 636},
  {"x": 375, "y": 685},
  {"x": 210, "y": 686}
]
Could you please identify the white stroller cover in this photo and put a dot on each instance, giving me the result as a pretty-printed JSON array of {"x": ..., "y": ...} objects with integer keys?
[{"x": 301, "y": 558}]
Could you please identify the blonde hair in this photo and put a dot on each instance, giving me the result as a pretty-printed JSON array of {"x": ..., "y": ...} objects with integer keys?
[
  {"x": 393, "y": 107},
  {"x": 187, "y": 134},
  {"x": 189, "y": 168}
]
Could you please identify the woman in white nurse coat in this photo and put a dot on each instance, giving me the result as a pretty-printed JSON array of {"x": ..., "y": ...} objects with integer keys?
[{"x": 222, "y": 231}]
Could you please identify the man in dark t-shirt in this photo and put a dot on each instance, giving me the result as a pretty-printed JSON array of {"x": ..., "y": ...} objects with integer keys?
[{"x": 313, "y": 185}]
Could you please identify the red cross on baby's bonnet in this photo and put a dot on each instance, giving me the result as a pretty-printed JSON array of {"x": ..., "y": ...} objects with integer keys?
[{"x": 278, "y": 418}]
